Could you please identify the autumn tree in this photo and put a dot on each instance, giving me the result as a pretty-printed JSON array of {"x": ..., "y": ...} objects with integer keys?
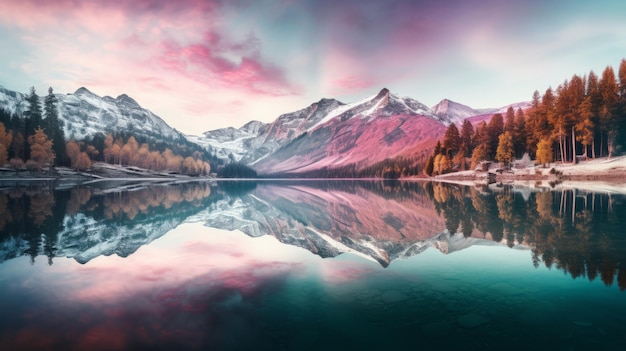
[
  {"x": 157, "y": 161},
  {"x": 128, "y": 152},
  {"x": 479, "y": 154},
  {"x": 18, "y": 146},
  {"x": 142, "y": 158},
  {"x": 6, "y": 138},
  {"x": 505, "y": 151},
  {"x": 173, "y": 162},
  {"x": 544, "y": 151},
  {"x": 79, "y": 159},
  {"x": 41, "y": 149},
  {"x": 584, "y": 126}
]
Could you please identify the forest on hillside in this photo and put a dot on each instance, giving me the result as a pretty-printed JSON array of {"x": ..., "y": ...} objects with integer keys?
[
  {"x": 583, "y": 118},
  {"x": 35, "y": 141}
]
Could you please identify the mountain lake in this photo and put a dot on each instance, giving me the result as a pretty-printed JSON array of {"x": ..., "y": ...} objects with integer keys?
[{"x": 310, "y": 265}]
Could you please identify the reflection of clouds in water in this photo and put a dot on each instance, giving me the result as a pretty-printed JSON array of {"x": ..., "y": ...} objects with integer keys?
[
  {"x": 184, "y": 288},
  {"x": 191, "y": 252}
]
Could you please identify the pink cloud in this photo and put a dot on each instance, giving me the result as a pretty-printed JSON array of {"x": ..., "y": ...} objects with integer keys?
[
  {"x": 351, "y": 83},
  {"x": 211, "y": 60},
  {"x": 151, "y": 50}
]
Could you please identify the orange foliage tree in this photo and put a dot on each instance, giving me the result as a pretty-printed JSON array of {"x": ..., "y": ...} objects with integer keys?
[
  {"x": 5, "y": 143},
  {"x": 41, "y": 149},
  {"x": 79, "y": 159}
]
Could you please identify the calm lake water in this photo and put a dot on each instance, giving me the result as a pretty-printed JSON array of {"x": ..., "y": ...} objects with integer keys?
[{"x": 318, "y": 265}]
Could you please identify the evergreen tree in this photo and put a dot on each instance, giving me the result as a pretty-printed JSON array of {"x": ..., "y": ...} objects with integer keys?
[
  {"x": 429, "y": 167},
  {"x": 53, "y": 126},
  {"x": 621, "y": 115},
  {"x": 509, "y": 120},
  {"x": 609, "y": 92},
  {"x": 33, "y": 114},
  {"x": 559, "y": 117},
  {"x": 467, "y": 138},
  {"x": 533, "y": 124},
  {"x": 6, "y": 138},
  {"x": 437, "y": 150},
  {"x": 495, "y": 128},
  {"x": 452, "y": 140},
  {"x": 622, "y": 79},
  {"x": 576, "y": 94},
  {"x": 592, "y": 92},
  {"x": 519, "y": 133},
  {"x": 482, "y": 138}
]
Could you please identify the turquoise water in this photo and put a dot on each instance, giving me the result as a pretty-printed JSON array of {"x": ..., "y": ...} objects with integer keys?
[{"x": 203, "y": 283}]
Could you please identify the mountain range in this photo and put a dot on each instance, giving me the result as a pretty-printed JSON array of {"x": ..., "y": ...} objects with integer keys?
[
  {"x": 85, "y": 114},
  {"x": 331, "y": 134},
  {"x": 327, "y": 134}
]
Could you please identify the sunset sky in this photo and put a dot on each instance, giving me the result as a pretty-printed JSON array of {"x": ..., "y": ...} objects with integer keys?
[{"x": 202, "y": 65}]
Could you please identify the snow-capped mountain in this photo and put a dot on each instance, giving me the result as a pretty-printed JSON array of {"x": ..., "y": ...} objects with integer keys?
[
  {"x": 256, "y": 139},
  {"x": 384, "y": 126},
  {"x": 331, "y": 134},
  {"x": 84, "y": 114},
  {"x": 454, "y": 112}
]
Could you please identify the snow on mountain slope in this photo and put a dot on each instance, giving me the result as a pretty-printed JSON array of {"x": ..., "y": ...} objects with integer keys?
[
  {"x": 453, "y": 112},
  {"x": 84, "y": 114},
  {"x": 382, "y": 127},
  {"x": 332, "y": 134},
  {"x": 256, "y": 140}
]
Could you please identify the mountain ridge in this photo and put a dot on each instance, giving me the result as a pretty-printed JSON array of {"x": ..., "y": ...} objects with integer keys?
[
  {"x": 327, "y": 134},
  {"x": 358, "y": 134}
]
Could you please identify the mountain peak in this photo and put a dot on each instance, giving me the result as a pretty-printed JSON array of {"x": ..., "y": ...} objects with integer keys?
[
  {"x": 453, "y": 112},
  {"x": 83, "y": 91},
  {"x": 127, "y": 100},
  {"x": 383, "y": 92}
]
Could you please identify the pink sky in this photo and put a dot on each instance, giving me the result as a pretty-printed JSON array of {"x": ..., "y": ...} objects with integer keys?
[{"x": 206, "y": 64}]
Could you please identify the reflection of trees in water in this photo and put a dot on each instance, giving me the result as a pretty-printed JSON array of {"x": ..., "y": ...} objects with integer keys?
[
  {"x": 32, "y": 217},
  {"x": 576, "y": 231}
]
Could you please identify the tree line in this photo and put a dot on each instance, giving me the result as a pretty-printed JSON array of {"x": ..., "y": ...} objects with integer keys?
[
  {"x": 34, "y": 140},
  {"x": 571, "y": 230},
  {"x": 584, "y": 117}
]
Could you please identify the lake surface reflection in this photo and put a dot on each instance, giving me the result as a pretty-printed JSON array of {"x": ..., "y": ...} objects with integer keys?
[{"x": 310, "y": 265}]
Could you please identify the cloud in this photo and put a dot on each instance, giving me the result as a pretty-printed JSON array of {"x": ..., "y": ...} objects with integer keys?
[
  {"x": 235, "y": 65},
  {"x": 168, "y": 55}
]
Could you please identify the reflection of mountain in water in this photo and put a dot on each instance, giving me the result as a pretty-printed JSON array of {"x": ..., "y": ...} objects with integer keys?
[
  {"x": 375, "y": 220},
  {"x": 86, "y": 222},
  {"x": 578, "y": 232}
]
